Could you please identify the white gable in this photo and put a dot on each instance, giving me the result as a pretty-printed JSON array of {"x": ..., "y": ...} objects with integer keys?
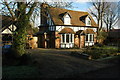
[
  {"x": 12, "y": 27},
  {"x": 9, "y": 29},
  {"x": 67, "y": 20},
  {"x": 6, "y": 31},
  {"x": 88, "y": 21}
]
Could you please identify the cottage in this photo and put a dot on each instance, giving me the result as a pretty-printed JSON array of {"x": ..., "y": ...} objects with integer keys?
[
  {"x": 62, "y": 28},
  {"x": 7, "y": 30}
]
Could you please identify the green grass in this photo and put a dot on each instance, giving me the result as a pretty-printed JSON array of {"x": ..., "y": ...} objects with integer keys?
[
  {"x": 106, "y": 47},
  {"x": 20, "y": 72},
  {"x": 102, "y": 52}
]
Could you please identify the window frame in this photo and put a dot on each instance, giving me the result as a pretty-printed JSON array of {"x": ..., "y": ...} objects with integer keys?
[
  {"x": 89, "y": 38},
  {"x": 67, "y": 38}
]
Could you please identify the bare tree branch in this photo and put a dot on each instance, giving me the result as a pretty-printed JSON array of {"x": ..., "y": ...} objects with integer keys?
[
  {"x": 11, "y": 12},
  {"x": 32, "y": 9}
]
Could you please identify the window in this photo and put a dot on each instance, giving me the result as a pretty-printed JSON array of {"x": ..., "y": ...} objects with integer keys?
[
  {"x": 63, "y": 38},
  {"x": 67, "y": 38},
  {"x": 87, "y": 37},
  {"x": 93, "y": 37},
  {"x": 67, "y": 20},
  {"x": 71, "y": 37},
  {"x": 51, "y": 28},
  {"x": 88, "y": 21},
  {"x": 90, "y": 37}
]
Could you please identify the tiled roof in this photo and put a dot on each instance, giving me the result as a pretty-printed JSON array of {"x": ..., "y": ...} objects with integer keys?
[
  {"x": 79, "y": 32},
  {"x": 66, "y": 30},
  {"x": 76, "y": 16},
  {"x": 87, "y": 31},
  {"x": 6, "y": 21}
]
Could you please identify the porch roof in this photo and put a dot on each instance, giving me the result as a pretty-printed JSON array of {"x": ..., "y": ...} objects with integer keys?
[
  {"x": 67, "y": 30},
  {"x": 87, "y": 31}
]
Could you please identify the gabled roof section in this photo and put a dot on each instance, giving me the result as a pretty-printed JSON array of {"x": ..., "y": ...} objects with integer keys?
[
  {"x": 66, "y": 14},
  {"x": 6, "y": 22},
  {"x": 57, "y": 13},
  {"x": 87, "y": 31}
]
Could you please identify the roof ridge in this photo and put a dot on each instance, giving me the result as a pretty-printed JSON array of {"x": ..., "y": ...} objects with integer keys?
[{"x": 70, "y": 10}]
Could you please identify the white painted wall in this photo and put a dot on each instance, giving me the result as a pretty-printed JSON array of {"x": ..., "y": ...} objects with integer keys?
[
  {"x": 59, "y": 28},
  {"x": 6, "y": 31}
]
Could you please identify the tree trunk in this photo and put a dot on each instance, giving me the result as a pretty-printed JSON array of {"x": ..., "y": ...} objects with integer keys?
[{"x": 19, "y": 43}]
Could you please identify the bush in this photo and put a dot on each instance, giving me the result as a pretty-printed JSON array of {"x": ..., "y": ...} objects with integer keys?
[
  {"x": 94, "y": 53},
  {"x": 99, "y": 44},
  {"x": 80, "y": 55},
  {"x": 101, "y": 52},
  {"x": 75, "y": 53},
  {"x": 75, "y": 47}
]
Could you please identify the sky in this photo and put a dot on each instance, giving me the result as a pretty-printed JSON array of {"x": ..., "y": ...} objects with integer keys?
[{"x": 80, "y": 6}]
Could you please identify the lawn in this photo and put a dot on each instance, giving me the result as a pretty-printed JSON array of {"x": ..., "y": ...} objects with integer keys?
[
  {"x": 98, "y": 52},
  {"x": 10, "y": 72}
]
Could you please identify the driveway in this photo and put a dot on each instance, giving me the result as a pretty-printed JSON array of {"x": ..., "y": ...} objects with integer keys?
[{"x": 55, "y": 62}]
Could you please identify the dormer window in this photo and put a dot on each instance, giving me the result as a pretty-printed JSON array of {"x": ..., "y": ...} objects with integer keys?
[
  {"x": 88, "y": 21},
  {"x": 67, "y": 19}
]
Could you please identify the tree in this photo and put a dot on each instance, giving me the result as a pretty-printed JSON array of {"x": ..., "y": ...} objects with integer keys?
[
  {"x": 111, "y": 15},
  {"x": 99, "y": 8},
  {"x": 21, "y": 17},
  {"x": 20, "y": 13},
  {"x": 102, "y": 36}
]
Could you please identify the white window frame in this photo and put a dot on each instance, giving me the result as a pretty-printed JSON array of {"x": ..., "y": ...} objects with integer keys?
[
  {"x": 65, "y": 38},
  {"x": 92, "y": 37}
]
